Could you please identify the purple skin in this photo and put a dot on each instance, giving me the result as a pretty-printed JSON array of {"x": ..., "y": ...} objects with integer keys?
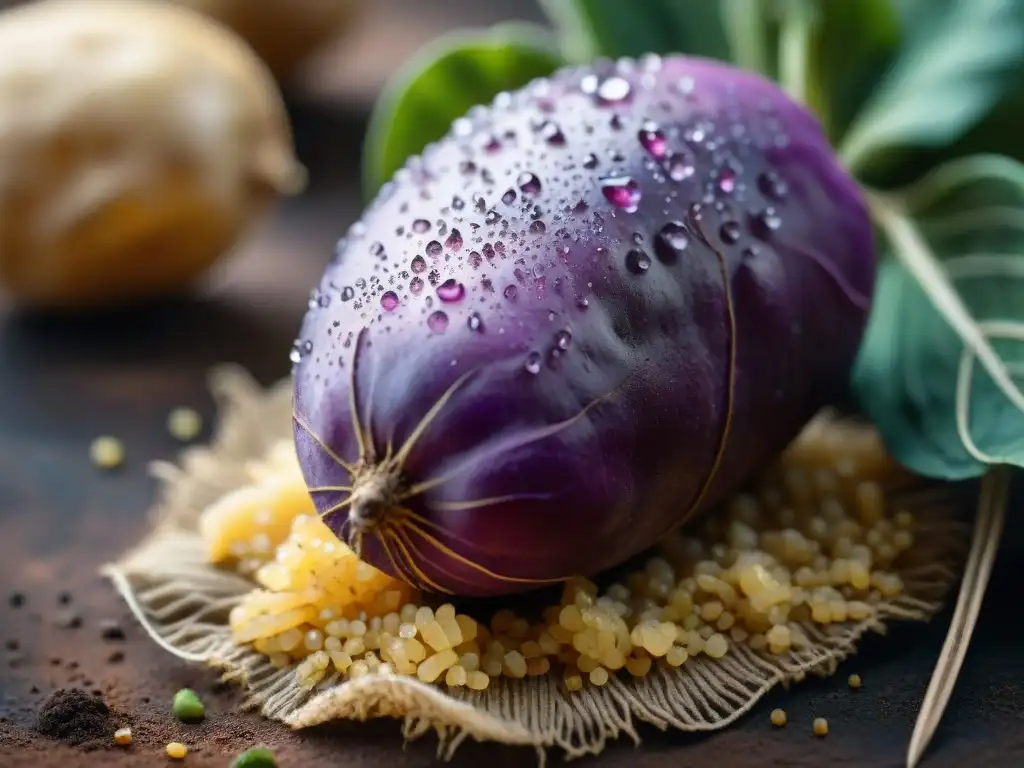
[{"x": 590, "y": 312}]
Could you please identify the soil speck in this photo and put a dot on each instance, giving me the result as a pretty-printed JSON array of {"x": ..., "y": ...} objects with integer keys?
[
  {"x": 69, "y": 620},
  {"x": 111, "y": 630}
]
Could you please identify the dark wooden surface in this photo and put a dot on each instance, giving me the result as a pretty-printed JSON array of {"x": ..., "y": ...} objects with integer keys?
[{"x": 64, "y": 382}]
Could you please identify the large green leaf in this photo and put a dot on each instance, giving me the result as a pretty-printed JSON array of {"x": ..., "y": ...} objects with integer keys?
[
  {"x": 959, "y": 60},
  {"x": 942, "y": 413},
  {"x": 442, "y": 82},
  {"x": 998, "y": 132},
  {"x": 614, "y": 28}
]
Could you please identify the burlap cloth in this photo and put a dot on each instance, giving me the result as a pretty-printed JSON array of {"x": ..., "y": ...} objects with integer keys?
[{"x": 183, "y": 602}]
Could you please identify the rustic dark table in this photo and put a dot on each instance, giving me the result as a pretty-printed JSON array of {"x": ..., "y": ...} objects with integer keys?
[{"x": 62, "y": 383}]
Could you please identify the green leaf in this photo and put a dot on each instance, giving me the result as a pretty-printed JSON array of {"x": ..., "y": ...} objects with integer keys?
[
  {"x": 748, "y": 30},
  {"x": 998, "y": 132},
  {"x": 615, "y": 28},
  {"x": 442, "y": 82},
  {"x": 942, "y": 412},
  {"x": 959, "y": 60}
]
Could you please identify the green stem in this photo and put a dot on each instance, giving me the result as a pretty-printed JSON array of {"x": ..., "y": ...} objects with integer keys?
[
  {"x": 794, "y": 49},
  {"x": 958, "y": 174},
  {"x": 578, "y": 40},
  {"x": 744, "y": 27},
  {"x": 853, "y": 151},
  {"x": 914, "y": 252}
]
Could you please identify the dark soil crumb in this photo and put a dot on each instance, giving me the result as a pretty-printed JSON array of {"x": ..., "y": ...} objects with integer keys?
[
  {"x": 12, "y": 644},
  {"x": 16, "y": 600},
  {"x": 75, "y": 718},
  {"x": 69, "y": 620},
  {"x": 64, "y": 598},
  {"x": 111, "y": 630},
  {"x": 116, "y": 657}
]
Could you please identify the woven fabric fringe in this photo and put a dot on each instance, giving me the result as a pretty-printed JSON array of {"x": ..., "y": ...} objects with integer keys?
[{"x": 183, "y": 603}]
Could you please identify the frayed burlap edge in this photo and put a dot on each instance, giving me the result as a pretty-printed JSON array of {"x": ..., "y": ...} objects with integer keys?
[{"x": 183, "y": 603}]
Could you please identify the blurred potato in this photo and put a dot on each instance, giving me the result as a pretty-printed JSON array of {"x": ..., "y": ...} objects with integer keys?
[
  {"x": 283, "y": 32},
  {"x": 137, "y": 141}
]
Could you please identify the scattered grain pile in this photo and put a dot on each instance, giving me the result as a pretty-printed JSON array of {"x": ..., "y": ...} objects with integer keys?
[
  {"x": 813, "y": 543},
  {"x": 240, "y": 574}
]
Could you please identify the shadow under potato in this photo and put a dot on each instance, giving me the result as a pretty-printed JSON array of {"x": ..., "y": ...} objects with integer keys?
[
  {"x": 328, "y": 140},
  {"x": 198, "y": 332}
]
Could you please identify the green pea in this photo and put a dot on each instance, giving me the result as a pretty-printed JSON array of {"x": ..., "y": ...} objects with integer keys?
[
  {"x": 257, "y": 757},
  {"x": 187, "y": 707}
]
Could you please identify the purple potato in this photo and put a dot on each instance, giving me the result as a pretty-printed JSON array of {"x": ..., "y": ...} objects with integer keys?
[{"x": 588, "y": 313}]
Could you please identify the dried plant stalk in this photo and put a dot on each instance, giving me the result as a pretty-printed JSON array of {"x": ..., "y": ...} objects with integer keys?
[
  {"x": 988, "y": 530},
  {"x": 184, "y": 603}
]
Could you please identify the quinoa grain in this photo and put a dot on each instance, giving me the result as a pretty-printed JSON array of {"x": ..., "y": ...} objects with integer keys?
[
  {"x": 107, "y": 452},
  {"x": 176, "y": 750}
]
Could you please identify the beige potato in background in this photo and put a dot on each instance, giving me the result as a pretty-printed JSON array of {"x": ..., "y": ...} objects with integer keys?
[
  {"x": 283, "y": 32},
  {"x": 137, "y": 141}
]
